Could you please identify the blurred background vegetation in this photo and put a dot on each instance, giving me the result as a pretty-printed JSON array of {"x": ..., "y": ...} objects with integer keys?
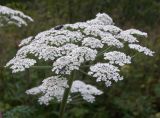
[{"x": 137, "y": 96}]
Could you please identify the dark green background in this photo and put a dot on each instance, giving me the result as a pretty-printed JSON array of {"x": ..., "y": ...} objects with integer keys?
[{"x": 137, "y": 96}]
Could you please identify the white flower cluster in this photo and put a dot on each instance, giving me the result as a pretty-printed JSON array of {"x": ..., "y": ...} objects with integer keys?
[
  {"x": 54, "y": 87},
  {"x": 71, "y": 46},
  {"x": 139, "y": 48},
  {"x": 128, "y": 35},
  {"x": 58, "y": 37},
  {"x": 87, "y": 91},
  {"x": 110, "y": 40},
  {"x": 116, "y": 57},
  {"x": 25, "y": 41},
  {"x": 51, "y": 88},
  {"x": 135, "y": 32},
  {"x": 20, "y": 64},
  {"x": 101, "y": 19},
  {"x": 65, "y": 65},
  {"x": 92, "y": 42},
  {"x": 105, "y": 72},
  {"x": 10, "y": 16},
  {"x": 84, "y": 54}
]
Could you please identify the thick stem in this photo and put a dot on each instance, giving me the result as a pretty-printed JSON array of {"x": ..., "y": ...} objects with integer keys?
[{"x": 65, "y": 96}]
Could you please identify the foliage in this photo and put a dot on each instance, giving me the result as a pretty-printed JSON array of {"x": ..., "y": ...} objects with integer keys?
[{"x": 19, "y": 112}]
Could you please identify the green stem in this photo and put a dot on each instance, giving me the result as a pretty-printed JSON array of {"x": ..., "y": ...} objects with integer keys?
[
  {"x": 65, "y": 96},
  {"x": 99, "y": 54}
]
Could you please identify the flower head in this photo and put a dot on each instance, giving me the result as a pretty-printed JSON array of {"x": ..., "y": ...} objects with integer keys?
[
  {"x": 72, "y": 46},
  {"x": 10, "y": 16}
]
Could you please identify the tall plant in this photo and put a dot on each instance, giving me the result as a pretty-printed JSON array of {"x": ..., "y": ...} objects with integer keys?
[{"x": 95, "y": 48}]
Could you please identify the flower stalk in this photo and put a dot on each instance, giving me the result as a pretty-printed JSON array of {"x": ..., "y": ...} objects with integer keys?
[{"x": 66, "y": 94}]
